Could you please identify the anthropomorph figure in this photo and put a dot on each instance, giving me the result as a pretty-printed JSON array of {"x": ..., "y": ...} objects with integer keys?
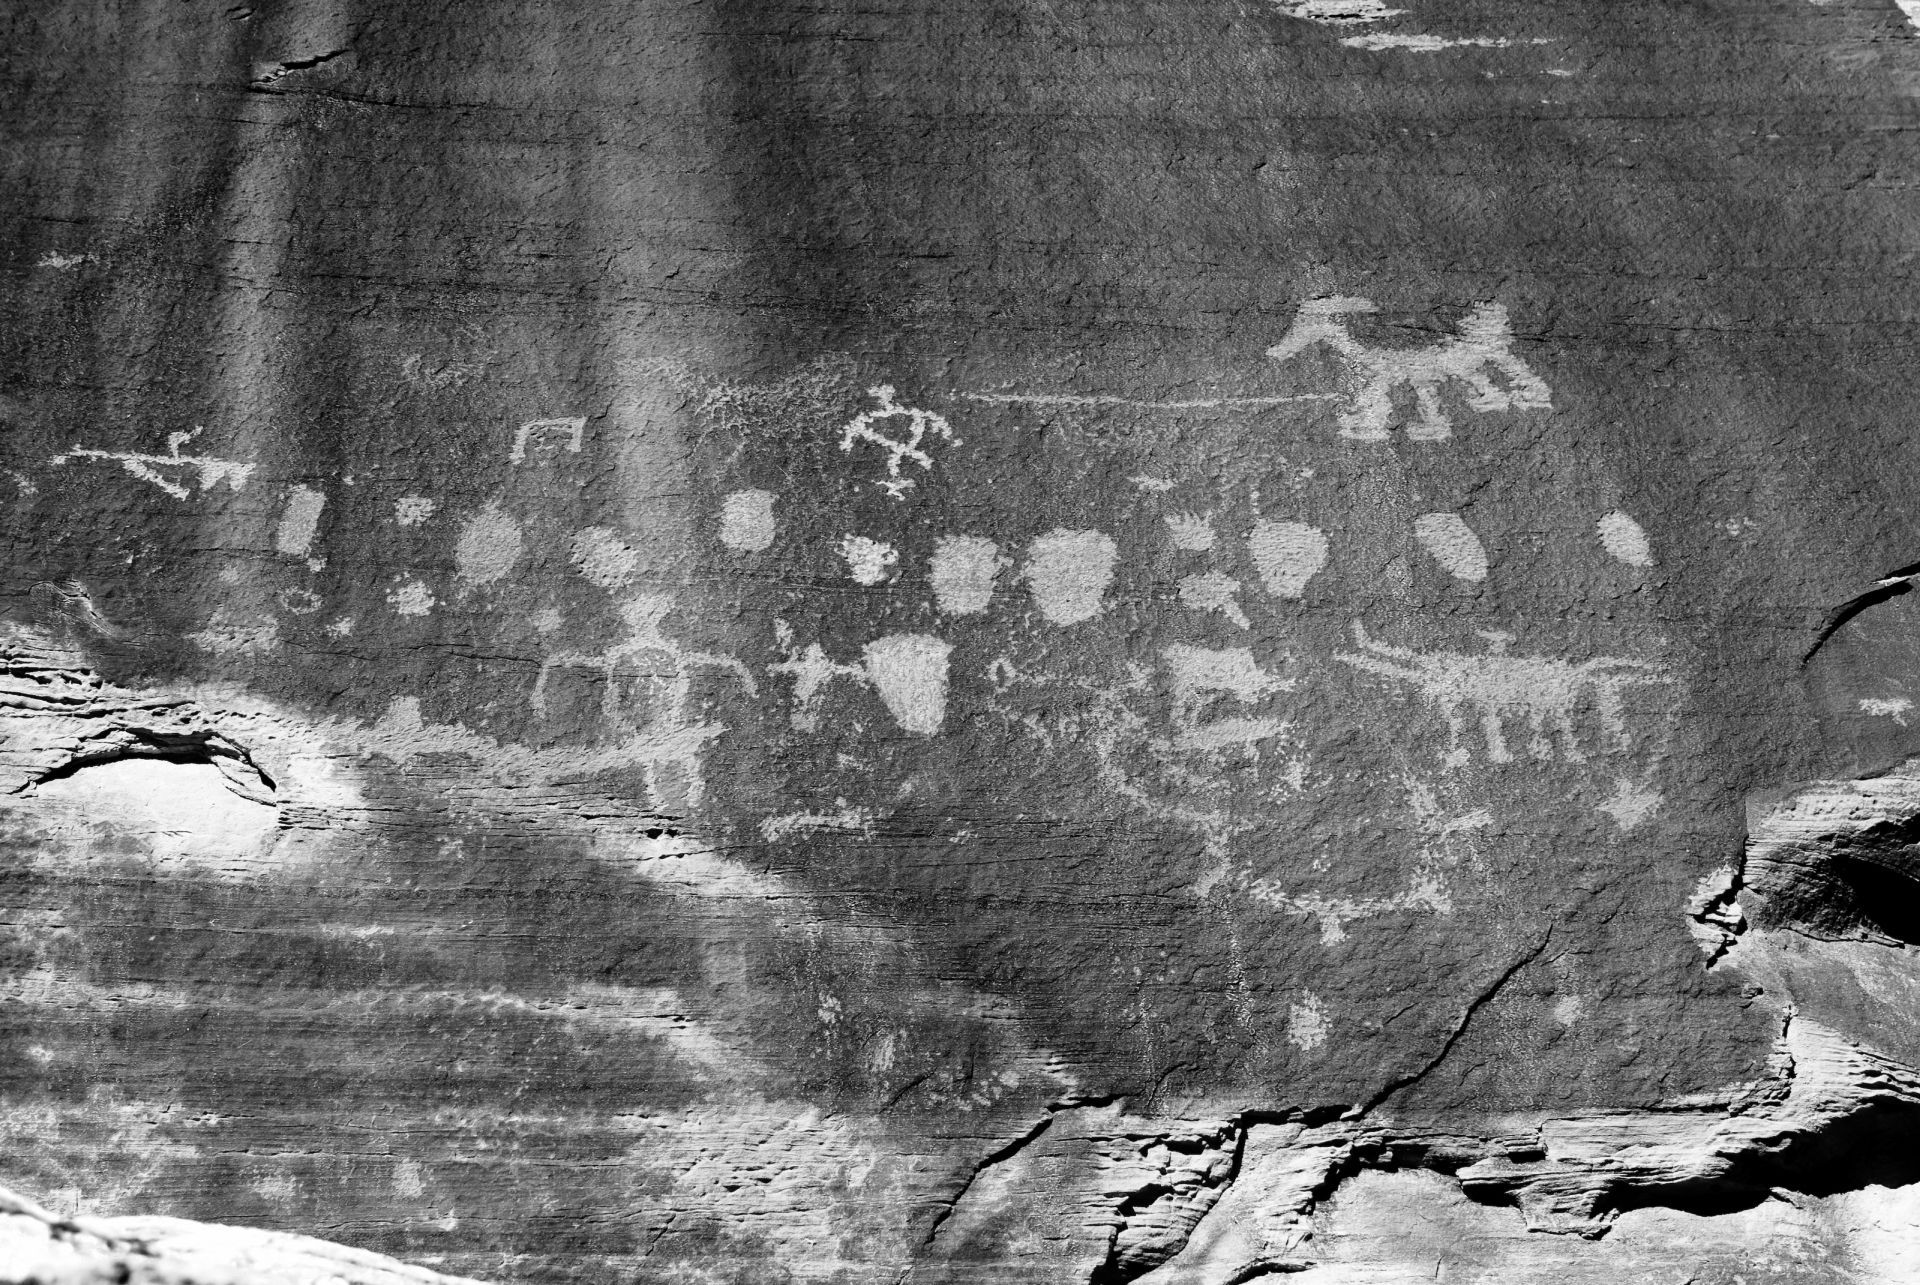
[
  {"x": 647, "y": 698},
  {"x": 919, "y": 423}
]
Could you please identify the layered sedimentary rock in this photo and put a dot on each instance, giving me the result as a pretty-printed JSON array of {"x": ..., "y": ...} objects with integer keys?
[
  {"x": 1020, "y": 643},
  {"x": 45, "y": 1248}
]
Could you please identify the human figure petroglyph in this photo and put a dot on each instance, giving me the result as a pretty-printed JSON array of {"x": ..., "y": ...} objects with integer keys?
[
  {"x": 664, "y": 670},
  {"x": 207, "y": 470},
  {"x": 919, "y": 424},
  {"x": 1547, "y": 692},
  {"x": 1482, "y": 349}
]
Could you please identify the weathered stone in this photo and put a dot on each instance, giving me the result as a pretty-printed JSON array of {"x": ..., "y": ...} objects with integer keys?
[
  {"x": 1084, "y": 642},
  {"x": 38, "y": 1247}
]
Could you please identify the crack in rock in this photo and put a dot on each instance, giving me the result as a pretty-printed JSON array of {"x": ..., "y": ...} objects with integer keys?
[
  {"x": 1005, "y": 1153},
  {"x": 1487, "y": 995},
  {"x": 1889, "y": 586},
  {"x": 267, "y": 73}
]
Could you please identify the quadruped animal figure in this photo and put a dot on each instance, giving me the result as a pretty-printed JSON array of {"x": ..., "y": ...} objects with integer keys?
[
  {"x": 1548, "y": 693},
  {"x": 1482, "y": 349}
]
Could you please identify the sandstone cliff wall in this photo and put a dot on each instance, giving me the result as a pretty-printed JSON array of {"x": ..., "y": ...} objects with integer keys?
[{"x": 1053, "y": 642}]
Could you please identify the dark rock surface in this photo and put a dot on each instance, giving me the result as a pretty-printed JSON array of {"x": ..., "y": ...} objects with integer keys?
[{"x": 1055, "y": 642}]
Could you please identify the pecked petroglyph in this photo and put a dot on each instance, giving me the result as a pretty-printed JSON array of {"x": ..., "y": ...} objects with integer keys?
[
  {"x": 1337, "y": 13},
  {"x": 299, "y": 521},
  {"x": 1482, "y": 349},
  {"x": 1333, "y": 915},
  {"x": 963, "y": 571},
  {"x": 571, "y": 431},
  {"x": 1549, "y": 694},
  {"x": 1624, "y": 539},
  {"x": 205, "y": 470},
  {"x": 1453, "y": 544},
  {"x": 1069, "y": 572},
  {"x": 918, "y": 424},
  {"x": 1213, "y": 591},
  {"x": 1188, "y": 742},
  {"x": 1287, "y": 555},
  {"x": 909, "y": 672},
  {"x": 747, "y": 521},
  {"x": 1447, "y": 838},
  {"x": 490, "y": 544},
  {"x": 1203, "y": 677},
  {"x": 647, "y": 684},
  {"x": 869, "y": 562}
]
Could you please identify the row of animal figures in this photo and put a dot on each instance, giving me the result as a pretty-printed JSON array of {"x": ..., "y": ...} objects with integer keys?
[{"x": 1572, "y": 711}]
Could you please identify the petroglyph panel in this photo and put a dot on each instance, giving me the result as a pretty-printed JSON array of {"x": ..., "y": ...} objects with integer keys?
[{"x": 1018, "y": 644}]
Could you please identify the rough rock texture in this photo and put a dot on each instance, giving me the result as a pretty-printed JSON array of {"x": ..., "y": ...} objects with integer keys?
[
  {"x": 1060, "y": 642},
  {"x": 38, "y": 1247}
]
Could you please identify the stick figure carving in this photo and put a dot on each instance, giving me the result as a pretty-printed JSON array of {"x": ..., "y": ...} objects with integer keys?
[{"x": 919, "y": 424}]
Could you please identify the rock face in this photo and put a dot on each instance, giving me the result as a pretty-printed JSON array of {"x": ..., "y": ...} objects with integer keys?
[
  {"x": 42, "y": 1248},
  {"x": 1076, "y": 642}
]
